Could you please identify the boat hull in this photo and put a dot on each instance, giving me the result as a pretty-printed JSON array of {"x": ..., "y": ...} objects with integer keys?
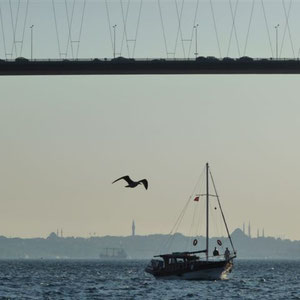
[{"x": 209, "y": 271}]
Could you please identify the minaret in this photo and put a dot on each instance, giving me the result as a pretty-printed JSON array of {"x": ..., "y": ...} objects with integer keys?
[
  {"x": 61, "y": 233},
  {"x": 133, "y": 228},
  {"x": 244, "y": 228},
  {"x": 249, "y": 230},
  {"x": 57, "y": 233},
  {"x": 263, "y": 232},
  {"x": 258, "y": 233}
]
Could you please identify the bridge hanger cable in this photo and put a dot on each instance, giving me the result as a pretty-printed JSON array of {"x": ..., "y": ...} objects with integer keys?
[
  {"x": 193, "y": 29},
  {"x": 287, "y": 27},
  {"x": 163, "y": 27},
  {"x": 24, "y": 26},
  {"x": 215, "y": 27},
  {"x": 137, "y": 27},
  {"x": 267, "y": 26},
  {"x": 70, "y": 22},
  {"x": 56, "y": 28},
  {"x": 179, "y": 31},
  {"x": 109, "y": 25},
  {"x": 14, "y": 25},
  {"x": 249, "y": 26},
  {"x": 81, "y": 26},
  {"x": 125, "y": 19},
  {"x": 233, "y": 28},
  {"x": 3, "y": 33}
]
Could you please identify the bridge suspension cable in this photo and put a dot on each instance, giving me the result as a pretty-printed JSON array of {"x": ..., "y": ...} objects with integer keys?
[
  {"x": 3, "y": 32},
  {"x": 14, "y": 19},
  {"x": 267, "y": 26},
  {"x": 249, "y": 26},
  {"x": 287, "y": 27},
  {"x": 24, "y": 26},
  {"x": 215, "y": 27},
  {"x": 194, "y": 23},
  {"x": 163, "y": 27},
  {"x": 179, "y": 30},
  {"x": 70, "y": 20},
  {"x": 233, "y": 27},
  {"x": 124, "y": 19}
]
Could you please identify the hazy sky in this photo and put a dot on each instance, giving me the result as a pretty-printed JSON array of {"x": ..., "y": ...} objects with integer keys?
[{"x": 65, "y": 139}]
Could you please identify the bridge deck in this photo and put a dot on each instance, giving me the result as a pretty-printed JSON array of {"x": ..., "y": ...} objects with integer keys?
[{"x": 155, "y": 66}]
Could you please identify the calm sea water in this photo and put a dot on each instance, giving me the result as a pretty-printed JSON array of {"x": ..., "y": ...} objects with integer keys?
[{"x": 253, "y": 279}]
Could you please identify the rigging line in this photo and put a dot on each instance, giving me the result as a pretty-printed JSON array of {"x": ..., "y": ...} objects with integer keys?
[
  {"x": 215, "y": 26},
  {"x": 125, "y": 18},
  {"x": 191, "y": 227},
  {"x": 81, "y": 26},
  {"x": 14, "y": 45},
  {"x": 180, "y": 218},
  {"x": 69, "y": 40},
  {"x": 250, "y": 22},
  {"x": 56, "y": 28},
  {"x": 201, "y": 217},
  {"x": 3, "y": 34},
  {"x": 178, "y": 221},
  {"x": 267, "y": 27},
  {"x": 193, "y": 29},
  {"x": 24, "y": 26},
  {"x": 287, "y": 27},
  {"x": 163, "y": 28},
  {"x": 137, "y": 27},
  {"x": 233, "y": 28},
  {"x": 109, "y": 25},
  {"x": 227, "y": 230},
  {"x": 179, "y": 31}
]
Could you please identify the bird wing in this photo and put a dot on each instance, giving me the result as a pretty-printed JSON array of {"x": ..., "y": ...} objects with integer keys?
[
  {"x": 126, "y": 178},
  {"x": 145, "y": 183}
]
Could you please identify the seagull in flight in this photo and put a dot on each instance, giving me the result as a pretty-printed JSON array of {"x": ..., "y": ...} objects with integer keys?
[{"x": 133, "y": 184}]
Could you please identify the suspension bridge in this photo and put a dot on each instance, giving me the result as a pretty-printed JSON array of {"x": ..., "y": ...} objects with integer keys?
[{"x": 70, "y": 37}]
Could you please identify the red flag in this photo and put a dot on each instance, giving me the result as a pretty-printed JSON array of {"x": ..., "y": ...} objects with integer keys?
[{"x": 196, "y": 198}]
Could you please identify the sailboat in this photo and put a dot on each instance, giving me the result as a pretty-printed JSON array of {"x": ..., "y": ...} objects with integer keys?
[{"x": 197, "y": 265}]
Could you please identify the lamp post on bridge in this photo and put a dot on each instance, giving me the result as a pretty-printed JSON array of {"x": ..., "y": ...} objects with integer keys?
[
  {"x": 114, "y": 27},
  {"x": 276, "y": 29},
  {"x": 31, "y": 41},
  {"x": 196, "y": 33}
]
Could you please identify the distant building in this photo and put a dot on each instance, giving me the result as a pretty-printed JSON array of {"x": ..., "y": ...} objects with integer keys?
[
  {"x": 133, "y": 228},
  {"x": 258, "y": 233},
  {"x": 263, "y": 232}
]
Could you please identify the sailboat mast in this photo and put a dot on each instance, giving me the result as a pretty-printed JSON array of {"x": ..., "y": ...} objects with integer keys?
[{"x": 207, "y": 207}]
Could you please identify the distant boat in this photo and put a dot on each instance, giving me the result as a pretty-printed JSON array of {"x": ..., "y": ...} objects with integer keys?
[
  {"x": 190, "y": 265},
  {"x": 112, "y": 253}
]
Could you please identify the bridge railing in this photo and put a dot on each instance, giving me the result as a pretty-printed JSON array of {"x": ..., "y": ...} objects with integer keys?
[{"x": 121, "y": 59}]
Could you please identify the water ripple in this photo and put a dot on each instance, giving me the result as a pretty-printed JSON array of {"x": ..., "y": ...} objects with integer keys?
[{"x": 69, "y": 279}]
